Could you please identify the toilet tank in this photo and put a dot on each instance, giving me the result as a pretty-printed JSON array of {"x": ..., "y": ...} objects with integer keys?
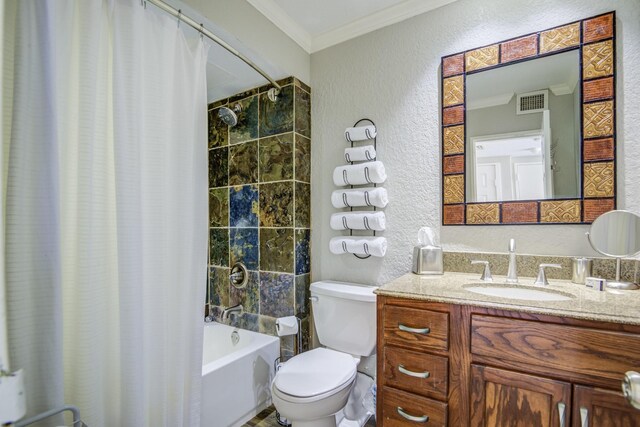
[{"x": 345, "y": 316}]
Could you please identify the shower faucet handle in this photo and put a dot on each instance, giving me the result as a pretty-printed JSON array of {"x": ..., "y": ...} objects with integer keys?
[{"x": 486, "y": 273}]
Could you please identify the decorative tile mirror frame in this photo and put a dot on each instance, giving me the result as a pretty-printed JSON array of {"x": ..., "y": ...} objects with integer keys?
[{"x": 595, "y": 39}]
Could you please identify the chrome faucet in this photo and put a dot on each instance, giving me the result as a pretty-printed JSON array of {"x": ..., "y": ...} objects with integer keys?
[
  {"x": 227, "y": 312},
  {"x": 512, "y": 273}
]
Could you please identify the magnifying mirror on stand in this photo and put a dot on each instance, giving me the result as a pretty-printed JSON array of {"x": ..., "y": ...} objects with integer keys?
[{"x": 616, "y": 234}]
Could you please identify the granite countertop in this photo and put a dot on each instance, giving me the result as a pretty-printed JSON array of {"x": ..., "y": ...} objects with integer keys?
[{"x": 585, "y": 303}]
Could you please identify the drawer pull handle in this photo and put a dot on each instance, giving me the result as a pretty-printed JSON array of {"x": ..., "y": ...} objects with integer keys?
[
  {"x": 405, "y": 371},
  {"x": 561, "y": 408},
  {"x": 584, "y": 417},
  {"x": 422, "y": 419},
  {"x": 630, "y": 388},
  {"x": 423, "y": 331}
]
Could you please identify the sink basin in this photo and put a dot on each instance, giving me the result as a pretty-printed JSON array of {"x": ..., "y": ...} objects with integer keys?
[{"x": 518, "y": 292}]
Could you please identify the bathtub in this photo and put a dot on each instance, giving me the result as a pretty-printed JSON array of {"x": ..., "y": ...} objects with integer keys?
[{"x": 236, "y": 376}]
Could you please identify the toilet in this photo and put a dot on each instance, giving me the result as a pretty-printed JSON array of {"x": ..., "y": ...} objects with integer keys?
[{"x": 313, "y": 386}]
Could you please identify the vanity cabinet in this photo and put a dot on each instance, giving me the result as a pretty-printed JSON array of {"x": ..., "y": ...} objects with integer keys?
[
  {"x": 453, "y": 365},
  {"x": 506, "y": 398}
]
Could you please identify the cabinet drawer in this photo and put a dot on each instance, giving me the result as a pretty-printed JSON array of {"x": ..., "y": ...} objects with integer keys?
[
  {"x": 419, "y": 329},
  {"x": 550, "y": 347},
  {"x": 419, "y": 373},
  {"x": 405, "y": 409}
]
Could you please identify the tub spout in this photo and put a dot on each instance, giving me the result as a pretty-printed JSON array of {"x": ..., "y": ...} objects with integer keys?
[{"x": 227, "y": 312}]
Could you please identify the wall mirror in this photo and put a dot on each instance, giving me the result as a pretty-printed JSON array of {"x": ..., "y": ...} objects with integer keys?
[{"x": 528, "y": 128}]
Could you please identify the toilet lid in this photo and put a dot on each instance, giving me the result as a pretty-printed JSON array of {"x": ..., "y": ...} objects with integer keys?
[{"x": 315, "y": 372}]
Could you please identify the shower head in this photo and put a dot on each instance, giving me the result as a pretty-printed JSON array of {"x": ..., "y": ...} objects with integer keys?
[{"x": 230, "y": 116}]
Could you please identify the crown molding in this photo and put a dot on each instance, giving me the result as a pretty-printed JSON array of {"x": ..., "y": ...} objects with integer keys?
[
  {"x": 391, "y": 15},
  {"x": 490, "y": 101},
  {"x": 283, "y": 21},
  {"x": 311, "y": 44}
]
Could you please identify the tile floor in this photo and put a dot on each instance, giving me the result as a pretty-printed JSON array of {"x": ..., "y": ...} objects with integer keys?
[{"x": 267, "y": 418}]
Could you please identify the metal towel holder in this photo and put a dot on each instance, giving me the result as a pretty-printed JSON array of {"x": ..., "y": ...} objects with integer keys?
[{"x": 375, "y": 146}]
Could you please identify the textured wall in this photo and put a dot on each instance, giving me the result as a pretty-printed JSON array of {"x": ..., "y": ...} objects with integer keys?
[
  {"x": 392, "y": 77},
  {"x": 259, "y": 190}
]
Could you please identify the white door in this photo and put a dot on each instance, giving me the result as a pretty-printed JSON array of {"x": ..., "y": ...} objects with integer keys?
[
  {"x": 488, "y": 182},
  {"x": 529, "y": 181}
]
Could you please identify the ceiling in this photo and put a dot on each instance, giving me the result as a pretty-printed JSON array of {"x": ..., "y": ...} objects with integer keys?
[
  {"x": 312, "y": 24},
  {"x": 316, "y": 25}
]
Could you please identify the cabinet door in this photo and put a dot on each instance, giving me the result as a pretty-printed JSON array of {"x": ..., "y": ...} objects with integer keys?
[
  {"x": 595, "y": 407},
  {"x": 501, "y": 398}
]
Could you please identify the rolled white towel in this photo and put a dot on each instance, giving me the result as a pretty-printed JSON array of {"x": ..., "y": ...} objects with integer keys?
[
  {"x": 370, "y": 196},
  {"x": 360, "y": 133},
  {"x": 365, "y": 220},
  {"x": 339, "y": 245},
  {"x": 359, "y": 154},
  {"x": 374, "y": 246},
  {"x": 362, "y": 173}
]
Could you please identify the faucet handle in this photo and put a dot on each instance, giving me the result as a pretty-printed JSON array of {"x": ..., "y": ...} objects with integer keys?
[
  {"x": 486, "y": 273},
  {"x": 542, "y": 277}
]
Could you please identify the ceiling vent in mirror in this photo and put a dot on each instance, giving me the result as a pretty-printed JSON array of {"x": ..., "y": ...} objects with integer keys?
[{"x": 532, "y": 102}]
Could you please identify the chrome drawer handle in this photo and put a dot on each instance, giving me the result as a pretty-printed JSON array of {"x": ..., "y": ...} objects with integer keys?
[
  {"x": 423, "y": 331},
  {"x": 630, "y": 388},
  {"x": 405, "y": 371},
  {"x": 584, "y": 417},
  {"x": 561, "y": 408},
  {"x": 422, "y": 419}
]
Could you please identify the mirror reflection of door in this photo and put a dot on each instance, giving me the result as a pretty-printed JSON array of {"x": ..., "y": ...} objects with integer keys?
[
  {"x": 511, "y": 166},
  {"x": 529, "y": 179},
  {"x": 488, "y": 182},
  {"x": 522, "y": 126}
]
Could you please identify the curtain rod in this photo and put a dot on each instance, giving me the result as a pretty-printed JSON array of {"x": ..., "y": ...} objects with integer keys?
[{"x": 200, "y": 27}]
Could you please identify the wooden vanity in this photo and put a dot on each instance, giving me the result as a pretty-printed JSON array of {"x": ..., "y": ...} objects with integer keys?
[{"x": 463, "y": 364}]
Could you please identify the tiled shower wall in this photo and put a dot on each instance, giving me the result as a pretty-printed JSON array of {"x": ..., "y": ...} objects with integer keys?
[{"x": 259, "y": 206}]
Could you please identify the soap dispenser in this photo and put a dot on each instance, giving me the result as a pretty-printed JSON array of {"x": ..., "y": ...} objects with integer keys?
[{"x": 427, "y": 255}]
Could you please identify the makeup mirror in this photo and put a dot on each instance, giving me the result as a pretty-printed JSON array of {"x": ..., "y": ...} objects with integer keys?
[{"x": 616, "y": 234}]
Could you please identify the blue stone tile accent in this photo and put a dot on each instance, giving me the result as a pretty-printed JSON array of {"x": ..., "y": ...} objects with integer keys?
[
  {"x": 303, "y": 260},
  {"x": 244, "y": 247},
  {"x": 249, "y": 297},
  {"x": 276, "y": 294},
  {"x": 244, "y": 204}
]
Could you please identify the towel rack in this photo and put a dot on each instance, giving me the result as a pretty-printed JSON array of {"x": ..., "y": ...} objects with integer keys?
[{"x": 375, "y": 147}]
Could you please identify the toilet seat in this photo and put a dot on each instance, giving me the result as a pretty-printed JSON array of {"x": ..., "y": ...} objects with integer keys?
[{"x": 314, "y": 375}]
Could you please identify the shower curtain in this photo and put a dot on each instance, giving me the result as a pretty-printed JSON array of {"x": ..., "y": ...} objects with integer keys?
[{"x": 106, "y": 209}]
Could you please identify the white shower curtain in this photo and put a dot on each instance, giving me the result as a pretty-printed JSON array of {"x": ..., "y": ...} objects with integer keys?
[{"x": 106, "y": 210}]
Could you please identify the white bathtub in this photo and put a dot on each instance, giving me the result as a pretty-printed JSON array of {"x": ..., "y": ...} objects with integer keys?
[{"x": 236, "y": 378}]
